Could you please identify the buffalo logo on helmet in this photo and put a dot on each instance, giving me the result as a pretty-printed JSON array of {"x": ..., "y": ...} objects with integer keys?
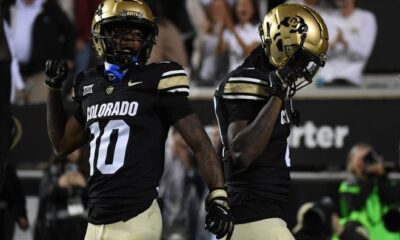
[{"x": 295, "y": 24}]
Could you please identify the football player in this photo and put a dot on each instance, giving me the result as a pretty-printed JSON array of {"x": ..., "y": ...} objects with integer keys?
[
  {"x": 255, "y": 124},
  {"x": 125, "y": 110}
]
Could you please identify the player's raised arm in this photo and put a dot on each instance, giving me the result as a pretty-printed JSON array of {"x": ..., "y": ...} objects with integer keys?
[
  {"x": 66, "y": 134},
  {"x": 218, "y": 219}
]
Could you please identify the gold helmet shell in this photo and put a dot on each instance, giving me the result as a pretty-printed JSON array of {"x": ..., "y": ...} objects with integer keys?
[
  {"x": 123, "y": 12},
  {"x": 289, "y": 27}
]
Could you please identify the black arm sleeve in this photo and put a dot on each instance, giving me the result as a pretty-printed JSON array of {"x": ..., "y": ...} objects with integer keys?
[
  {"x": 388, "y": 190},
  {"x": 174, "y": 106},
  {"x": 356, "y": 201}
]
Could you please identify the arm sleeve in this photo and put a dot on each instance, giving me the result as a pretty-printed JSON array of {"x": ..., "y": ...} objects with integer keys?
[
  {"x": 353, "y": 197},
  {"x": 174, "y": 106},
  {"x": 388, "y": 190}
]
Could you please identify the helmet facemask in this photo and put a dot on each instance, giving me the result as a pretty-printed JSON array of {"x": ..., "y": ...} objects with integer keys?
[
  {"x": 119, "y": 39},
  {"x": 113, "y": 27},
  {"x": 306, "y": 67}
]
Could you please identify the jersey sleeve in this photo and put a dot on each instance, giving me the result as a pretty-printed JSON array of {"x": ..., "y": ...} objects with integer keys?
[
  {"x": 237, "y": 110},
  {"x": 173, "y": 80},
  {"x": 245, "y": 86},
  {"x": 174, "y": 107}
]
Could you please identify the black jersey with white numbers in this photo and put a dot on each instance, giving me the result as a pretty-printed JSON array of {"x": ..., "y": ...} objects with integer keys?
[
  {"x": 258, "y": 191},
  {"x": 128, "y": 122}
]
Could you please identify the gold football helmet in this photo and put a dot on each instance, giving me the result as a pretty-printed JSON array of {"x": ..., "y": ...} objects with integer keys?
[
  {"x": 292, "y": 33},
  {"x": 129, "y": 14}
]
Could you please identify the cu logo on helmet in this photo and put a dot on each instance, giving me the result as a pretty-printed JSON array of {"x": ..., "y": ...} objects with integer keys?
[{"x": 296, "y": 24}]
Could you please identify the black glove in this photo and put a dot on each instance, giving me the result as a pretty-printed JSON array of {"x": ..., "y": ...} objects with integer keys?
[
  {"x": 218, "y": 219},
  {"x": 56, "y": 72},
  {"x": 278, "y": 83}
]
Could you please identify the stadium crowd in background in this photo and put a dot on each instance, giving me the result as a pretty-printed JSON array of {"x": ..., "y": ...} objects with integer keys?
[{"x": 223, "y": 33}]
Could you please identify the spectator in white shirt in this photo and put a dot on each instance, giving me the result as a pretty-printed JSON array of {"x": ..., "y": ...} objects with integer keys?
[
  {"x": 352, "y": 33},
  {"x": 320, "y": 6},
  {"x": 239, "y": 38}
]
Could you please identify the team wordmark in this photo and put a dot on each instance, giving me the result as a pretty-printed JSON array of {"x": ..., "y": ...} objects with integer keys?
[{"x": 112, "y": 109}]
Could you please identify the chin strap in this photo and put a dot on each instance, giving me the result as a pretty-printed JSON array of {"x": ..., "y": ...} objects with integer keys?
[{"x": 113, "y": 72}]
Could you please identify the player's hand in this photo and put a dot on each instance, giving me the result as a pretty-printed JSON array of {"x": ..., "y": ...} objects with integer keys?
[
  {"x": 56, "y": 72},
  {"x": 218, "y": 219},
  {"x": 279, "y": 82}
]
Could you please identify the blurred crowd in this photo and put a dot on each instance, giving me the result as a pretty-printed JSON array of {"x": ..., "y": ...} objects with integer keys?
[{"x": 209, "y": 38}]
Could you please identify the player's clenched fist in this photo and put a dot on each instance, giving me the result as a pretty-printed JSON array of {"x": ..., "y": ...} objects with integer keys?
[
  {"x": 218, "y": 219},
  {"x": 56, "y": 72}
]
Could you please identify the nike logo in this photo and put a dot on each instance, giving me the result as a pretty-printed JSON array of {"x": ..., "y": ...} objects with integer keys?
[{"x": 130, "y": 83}]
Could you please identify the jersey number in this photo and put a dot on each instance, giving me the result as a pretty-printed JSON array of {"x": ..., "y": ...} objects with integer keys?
[{"x": 115, "y": 136}]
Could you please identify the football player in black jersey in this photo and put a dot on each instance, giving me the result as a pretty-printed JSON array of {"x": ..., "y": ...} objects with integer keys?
[
  {"x": 254, "y": 122},
  {"x": 125, "y": 110}
]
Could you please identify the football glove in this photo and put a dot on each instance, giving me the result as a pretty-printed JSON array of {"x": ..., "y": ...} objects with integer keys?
[
  {"x": 218, "y": 219},
  {"x": 278, "y": 82},
  {"x": 56, "y": 72}
]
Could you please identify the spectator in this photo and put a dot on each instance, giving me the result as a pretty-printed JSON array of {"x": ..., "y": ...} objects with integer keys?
[
  {"x": 208, "y": 66},
  {"x": 68, "y": 6},
  {"x": 240, "y": 36},
  {"x": 84, "y": 54},
  {"x": 17, "y": 84},
  {"x": 181, "y": 190},
  {"x": 5, "y": 86},
  {"x": 317, "y": 220},
  {"x": 12, "y": 205},
  {"x": 367, "y": 194},
  {"x": 321, "y": 6},
  {"x": 12, "y": 196},
  {"x": 170, "y": 44},
  {"x": 41, "y": 31},
  {"x": 63, "y": 199},
  {"x": 352, "y": 33}
]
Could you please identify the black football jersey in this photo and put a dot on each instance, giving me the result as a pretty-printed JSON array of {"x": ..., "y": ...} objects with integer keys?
[
  {"x": 128, "y": 122},
  {"x": 259, "y": 191}
]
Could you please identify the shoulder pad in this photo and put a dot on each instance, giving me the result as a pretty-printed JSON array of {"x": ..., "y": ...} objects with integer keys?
[
  {"x": 83, "y": 84},
  {"x": 246, "y": 83},
  {"x": 76, "y": 96},
  {"x": 173, "y": 78}
]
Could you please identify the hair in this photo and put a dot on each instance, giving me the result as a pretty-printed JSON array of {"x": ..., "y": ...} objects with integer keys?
[
  {"x": 355, "y": 148},
  {"x": 255, "y": 19}
]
